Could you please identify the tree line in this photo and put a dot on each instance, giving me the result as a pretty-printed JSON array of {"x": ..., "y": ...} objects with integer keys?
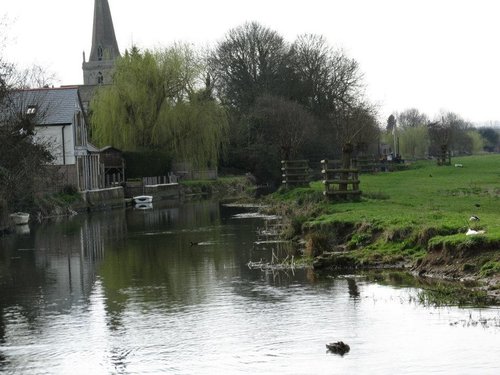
[
  {"x": 254, "y": 99},
  {"x": 245, "y": 104},
  {"x": 250, "y": 101},
  {"x": 415, "y": 135}
]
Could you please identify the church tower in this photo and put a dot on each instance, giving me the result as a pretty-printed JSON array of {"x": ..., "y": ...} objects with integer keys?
[{"x": 99, "y": 69}]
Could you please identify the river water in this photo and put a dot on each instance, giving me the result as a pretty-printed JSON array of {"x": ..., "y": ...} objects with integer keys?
[{"x": 126, "y": 292}]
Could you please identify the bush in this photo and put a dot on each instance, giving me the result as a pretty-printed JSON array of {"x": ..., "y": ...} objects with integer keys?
[{"x": 70, "y": 189}]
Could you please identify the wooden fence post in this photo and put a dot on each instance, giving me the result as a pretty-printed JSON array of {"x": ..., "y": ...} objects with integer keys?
[
  {"x": 444, "y": 158},
  {"x": 342, "y": 182}
]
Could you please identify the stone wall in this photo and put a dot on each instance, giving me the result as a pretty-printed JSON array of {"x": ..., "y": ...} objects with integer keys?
[
  {"x": 104, "y": 198},
  {"x": 159, "y": 192}
]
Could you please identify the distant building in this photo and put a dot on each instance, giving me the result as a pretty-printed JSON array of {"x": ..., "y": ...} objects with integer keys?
[
  {"x": 112, "y": 165},
  {"x": 98, "y": 70},
  {"x": 104, "y": 51},
  {"x": 60, "y": 123}
]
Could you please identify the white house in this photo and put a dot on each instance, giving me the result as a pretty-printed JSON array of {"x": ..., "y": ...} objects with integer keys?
[{"x": 60, "y": 122}]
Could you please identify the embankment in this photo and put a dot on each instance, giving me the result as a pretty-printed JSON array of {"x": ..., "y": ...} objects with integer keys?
[{"x": 415, "y": 219}]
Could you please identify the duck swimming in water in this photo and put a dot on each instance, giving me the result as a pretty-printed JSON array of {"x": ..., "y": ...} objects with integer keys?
[{"x": 338, "y": 347}]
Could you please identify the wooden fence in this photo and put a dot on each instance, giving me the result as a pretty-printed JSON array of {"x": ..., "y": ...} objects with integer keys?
[
  {"x": 340, "y": 182},
  {"x": 295, "y": 172},
  {"x": 367, "y": 164},
  {"x": 444, "y": 157},
  {"x": 156, "y": 180}
]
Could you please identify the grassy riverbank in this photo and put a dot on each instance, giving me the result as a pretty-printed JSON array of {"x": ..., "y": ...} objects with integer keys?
[
  {"x": 231, "y": 187},
  {"x": 416, "y": 218}
]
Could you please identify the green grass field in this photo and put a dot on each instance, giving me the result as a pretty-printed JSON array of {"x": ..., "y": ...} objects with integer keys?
[
  {"x": 423, "y": 206},
  {"x": 429, "y": 195}
]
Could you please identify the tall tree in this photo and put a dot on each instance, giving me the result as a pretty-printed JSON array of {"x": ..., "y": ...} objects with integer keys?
[
  {"x": 329, "y": 83},
  {"x": 310, "y": 67},
  {"x": 391, "y": 124},
  {"x": 252, "y": 62},
  {"x": 157, "y": 101},
  {"x": 346, "y": 100},
  {"x": 450, "y": 133},
  {"x": 284, "y": 123},
  {"x": 414, "y": 142},
  {"x": 22, "y": 160},
  {"x": 411, "y": 118},
  {"x": 491, "y": 138},
  {"x": 246, "y": 64}
]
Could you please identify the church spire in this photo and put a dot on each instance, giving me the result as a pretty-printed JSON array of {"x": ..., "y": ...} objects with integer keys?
[
  {"x": 104, "y": 51},
  {"x": 104, "y": 46}
]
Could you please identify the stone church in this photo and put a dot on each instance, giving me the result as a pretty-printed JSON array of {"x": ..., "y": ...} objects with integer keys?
[{"x": 98, "y": 70}]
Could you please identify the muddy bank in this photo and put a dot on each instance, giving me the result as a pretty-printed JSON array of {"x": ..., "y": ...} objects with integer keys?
[{"x": 340, "y": 247}]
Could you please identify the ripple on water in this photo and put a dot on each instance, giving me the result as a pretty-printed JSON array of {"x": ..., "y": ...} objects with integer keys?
[{"x": 139, "y": 312}]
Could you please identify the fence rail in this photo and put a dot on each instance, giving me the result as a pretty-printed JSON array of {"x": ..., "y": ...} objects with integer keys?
[
  {"x": 295, "y": 172},
  {"x": 340, "y": 182}
]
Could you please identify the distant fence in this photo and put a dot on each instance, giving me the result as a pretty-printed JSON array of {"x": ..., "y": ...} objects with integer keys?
[
  {"x": 185, "y": 171},
  {"x": 159, "y": 186},
  {"x": 367, "y": 164},
  {"x": 112, "y": 179},
  {"x": 444, "y": 158},
  {"x": 295, "y": 172},
  {"x": 159, "y": 180}
]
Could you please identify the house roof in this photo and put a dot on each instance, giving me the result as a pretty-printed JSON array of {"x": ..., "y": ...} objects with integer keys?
[
  {"x": 54, "y": 106},
  {"x": 109, "y": 148},
  {"x": 92, "y": 148}
]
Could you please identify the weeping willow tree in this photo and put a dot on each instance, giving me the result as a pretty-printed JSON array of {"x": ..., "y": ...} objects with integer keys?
[
  {"x": 157, "y": 101},
  {"x": 414, "y": 142}
]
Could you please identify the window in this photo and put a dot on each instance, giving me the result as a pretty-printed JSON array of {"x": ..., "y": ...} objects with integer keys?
[
  {"x": 99, "y": 53},
  {"x": 100, "y": 78},
  {"x": 31, "y": 110},
  {"x": 79, "y": 129}
]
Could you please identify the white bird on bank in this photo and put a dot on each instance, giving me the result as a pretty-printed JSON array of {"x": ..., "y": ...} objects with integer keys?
[
  {"x": 472, "y": 232},
  {"x": 474, "y": 218}
]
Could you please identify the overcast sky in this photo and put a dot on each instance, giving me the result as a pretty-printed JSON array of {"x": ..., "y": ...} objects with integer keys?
[{"x": 429, "y": 54}]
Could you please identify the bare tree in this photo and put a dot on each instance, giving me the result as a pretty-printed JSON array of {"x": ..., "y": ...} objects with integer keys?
[
  {"x": 284, "y": 123},
  {"x": 345, "y": 98},
  {"x": 411, "y": 118},
  {"x": 330, "y": 85},
  {"x": 35, "y": 76},
  {"x": 309, "y": 60},
  {"x": 450, "y": 133},
  {"x": 246, "y": 64},
  {"x": 22, "y": 160}
]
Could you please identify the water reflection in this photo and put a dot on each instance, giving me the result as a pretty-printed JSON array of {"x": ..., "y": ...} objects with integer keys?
[
  {"x": 168, "y": 289},
  {"x": 55, "y": 264},
  {"x": 353, "y": 287}
]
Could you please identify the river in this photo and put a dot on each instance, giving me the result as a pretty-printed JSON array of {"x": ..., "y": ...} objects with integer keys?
[{"x": 168, "y": 291}]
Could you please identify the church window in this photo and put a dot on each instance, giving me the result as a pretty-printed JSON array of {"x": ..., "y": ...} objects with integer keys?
[
  {"x": 100, "y": 78},
  {"x": 99, "y": 53}
]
